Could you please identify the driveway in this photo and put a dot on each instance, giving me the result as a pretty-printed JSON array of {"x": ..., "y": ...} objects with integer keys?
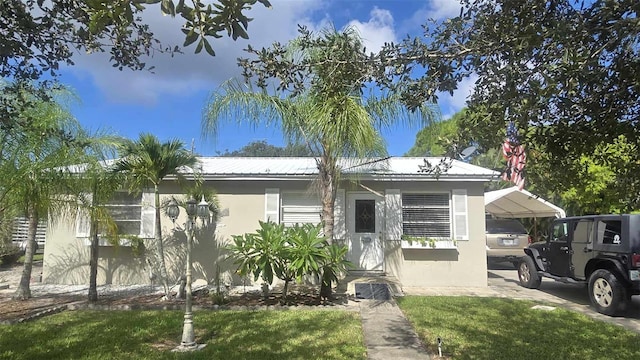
[{"x": 503, "y": 279}]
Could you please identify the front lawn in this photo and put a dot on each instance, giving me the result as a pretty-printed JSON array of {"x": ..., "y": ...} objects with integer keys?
[
  {"x": 151, "y": 334},
  {"x": 491, "y": 328},
  {"x": 36, "y": 257}
]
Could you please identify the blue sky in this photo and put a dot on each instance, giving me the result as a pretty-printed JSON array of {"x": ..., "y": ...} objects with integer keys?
[{"x": 169, "y": 102}]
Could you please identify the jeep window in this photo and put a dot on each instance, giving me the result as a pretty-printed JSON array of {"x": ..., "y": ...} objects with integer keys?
[
  {"x": 609, "y": 232},
  {"x": 559, "y": 232},
  {"x": 582, "y": 232}
]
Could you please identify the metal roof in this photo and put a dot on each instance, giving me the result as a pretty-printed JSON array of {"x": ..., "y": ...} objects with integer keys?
[{"x": 303, "y": 167}]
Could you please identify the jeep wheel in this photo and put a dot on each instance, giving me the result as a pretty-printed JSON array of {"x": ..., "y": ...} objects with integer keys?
[
  {"x": 528, "y": 274},
  {"x": 607, "y": 293}
]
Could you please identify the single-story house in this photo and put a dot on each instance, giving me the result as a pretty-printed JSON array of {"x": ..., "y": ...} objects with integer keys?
[{"x": 380, "y": 206}]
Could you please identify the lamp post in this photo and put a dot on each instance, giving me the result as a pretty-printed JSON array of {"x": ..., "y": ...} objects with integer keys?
[{"x": 194, "y": 211}]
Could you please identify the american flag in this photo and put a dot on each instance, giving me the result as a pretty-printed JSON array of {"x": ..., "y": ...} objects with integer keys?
[{"x": 516, "y": 157}]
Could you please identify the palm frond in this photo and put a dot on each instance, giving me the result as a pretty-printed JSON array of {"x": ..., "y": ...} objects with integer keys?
[{"x": 237, "y": 102}]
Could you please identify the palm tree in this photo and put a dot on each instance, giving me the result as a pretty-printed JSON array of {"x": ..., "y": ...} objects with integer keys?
[
  {"x": 331, "y": 115},
  {"x": 101, "y": 183},
  {"x": 146, "y": 162},
  {"x": 35, "y": 164}
]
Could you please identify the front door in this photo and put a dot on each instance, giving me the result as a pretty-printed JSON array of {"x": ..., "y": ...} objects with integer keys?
[{"x": 365, "y": 212}]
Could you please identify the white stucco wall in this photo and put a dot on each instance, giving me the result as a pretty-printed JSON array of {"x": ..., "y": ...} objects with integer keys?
[{"x": 66, "y": 259}]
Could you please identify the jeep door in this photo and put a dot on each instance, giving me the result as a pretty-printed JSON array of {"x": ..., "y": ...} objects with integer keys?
[
  {"x": 559, "y": 254},
  {"x": 581, "y": 246}
]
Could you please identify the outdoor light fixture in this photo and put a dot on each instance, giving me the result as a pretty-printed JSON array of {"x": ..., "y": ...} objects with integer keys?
[
  {"x": 194, "y": 210},
  {"x": 203, "y": 209},
  {"x": 191, "y": 207},
  {"x": 173, "y": 210}
]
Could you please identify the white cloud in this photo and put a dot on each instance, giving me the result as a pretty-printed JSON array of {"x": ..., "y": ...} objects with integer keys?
[
  {"x": 188, "y": 73},
  {"x": 433, "y": 9},
  {"x": 378, "y": 30},
  {"x": 442, "y": 9}
]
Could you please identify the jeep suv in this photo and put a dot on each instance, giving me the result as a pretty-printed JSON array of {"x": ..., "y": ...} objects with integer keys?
[
  {"x": 505, "y": 240},
  {"x": 601, "y": 251}
]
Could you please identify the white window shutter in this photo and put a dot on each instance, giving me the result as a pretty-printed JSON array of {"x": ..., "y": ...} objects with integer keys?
[
  {"x": 148, "y": 215},
  {"x": 272, "y": 205},
  {"x": 393, "y": 214},
  {"x": 83, "y": 220},
  {"x": 460, "y": 217},
  {"x": 339, "y": 224}
]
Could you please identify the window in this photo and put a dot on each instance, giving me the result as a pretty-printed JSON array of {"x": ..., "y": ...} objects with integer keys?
[
  {"x": 559, "y": 232},
  {"x": 300, "y": 208},
  {"x": 365, "y": 216},
  {"x": 610, "y": 232},
  {"x": 131, "y": 213},
  {"x": 21, "y": 230},
  {"x": 582, "y": 231},
  {"x": 426, "y": 215},
  {"x": 504, "y": 226},
  {"x": 126, "y": 211}
]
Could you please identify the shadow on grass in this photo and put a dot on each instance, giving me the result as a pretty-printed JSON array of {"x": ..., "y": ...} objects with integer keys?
[{"x": 228, "y": 335}]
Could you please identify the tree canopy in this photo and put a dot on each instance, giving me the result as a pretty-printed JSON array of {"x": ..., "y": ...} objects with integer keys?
[
  {"x": 441, "y": 138},
  {"x": 564, "y": 71},
  {"x": 38, "y": 37},
  {"x": 261, "y": 148}
]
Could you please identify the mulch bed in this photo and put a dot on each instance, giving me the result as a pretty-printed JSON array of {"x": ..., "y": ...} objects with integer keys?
[{"x": 13, "y": 311}]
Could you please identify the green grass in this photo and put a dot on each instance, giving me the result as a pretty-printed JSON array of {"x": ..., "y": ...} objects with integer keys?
[
  {"x": 491, "y": 328},
  {"x": 36, "y": 257},
  {"x": 151, "y": 335},
  {"x": 20, "y": 261}
]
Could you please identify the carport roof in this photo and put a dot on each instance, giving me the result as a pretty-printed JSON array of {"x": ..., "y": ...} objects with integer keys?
[{"x": 515, "y": 203}]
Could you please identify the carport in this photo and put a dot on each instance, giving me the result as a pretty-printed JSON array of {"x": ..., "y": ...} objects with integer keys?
[{"x": 514, "y": 203}]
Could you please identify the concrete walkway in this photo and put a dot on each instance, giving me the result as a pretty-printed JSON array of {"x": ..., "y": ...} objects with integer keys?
[{"x": 387, "y": 333}]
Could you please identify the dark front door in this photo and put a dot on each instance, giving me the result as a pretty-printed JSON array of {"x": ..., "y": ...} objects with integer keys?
[{"x": 559, "y": 255}]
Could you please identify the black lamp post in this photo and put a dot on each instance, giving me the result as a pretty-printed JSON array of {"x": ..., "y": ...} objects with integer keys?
[{"x": 194, "y": 210}]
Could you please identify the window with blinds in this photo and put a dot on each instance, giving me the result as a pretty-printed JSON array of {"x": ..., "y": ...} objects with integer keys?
[
  {"x": 300, "y": 208},
  {"x": 126, "y": 211},
  {"x": 426, "y": 215}
]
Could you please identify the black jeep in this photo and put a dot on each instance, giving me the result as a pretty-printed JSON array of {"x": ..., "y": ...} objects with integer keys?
[{"x": 602, "y": 251}]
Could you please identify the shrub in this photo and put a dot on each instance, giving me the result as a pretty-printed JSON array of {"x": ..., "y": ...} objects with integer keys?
[
  {"x": 9, "y": 254},
  {"x": 288, "y": 254}
]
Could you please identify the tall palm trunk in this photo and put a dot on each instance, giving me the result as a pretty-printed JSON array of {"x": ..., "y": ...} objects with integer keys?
[
  {"x": 159, "y": 247},
  {"x": 326, "y": 170},
  {"x": 93, "y": 257},
  {"x": 93, "y": 251},
  {"x": 327, "y": 181},
  {"x": 23, "y": 291}
]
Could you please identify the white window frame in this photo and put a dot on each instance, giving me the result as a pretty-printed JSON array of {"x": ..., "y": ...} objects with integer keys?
[
  {"x": 449, "y": 208},
  {"x": 138, "y": 220},
  {"x": 146, "y": 219}
]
